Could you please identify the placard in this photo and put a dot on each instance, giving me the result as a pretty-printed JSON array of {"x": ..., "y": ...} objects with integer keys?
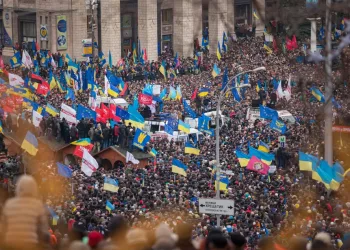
[{"x": 43, "y": 33}]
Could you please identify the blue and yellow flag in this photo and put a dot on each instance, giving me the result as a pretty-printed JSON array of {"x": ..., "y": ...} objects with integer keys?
[
  {"x": 264, "y": 157},
  {"x": 224, "y": 40},
  {"x": 307, "y": 162},
  {"x": 30, "y": 144},
  {"x": 109, "y": 206},
  {"x": 135, "y": 118},
  {"x": 16, "y": 61},
  {"x": 1, "y": 129},
  {"x": 218, "y": 52},
  {"x": 82, "y": 142},
  {"x": 51, "y": 110},
  {"x": 140, "y": 139},
  {"x": 203, "y": 125},
  {"x": 278, "y": 125},
  {"x": 153, "y": 152},
  {"x": 203, "y": 92},
  {"x": 224, "y": 181},
  {"x": 264, "y": 147},
  {"x": 73, "y": 66},
  {"x": 317, "y": 94},
  {"x": 191, "y": 149},
  {"x": 183, "y": 127},
  {"x": 216, "y": 71},
  {"x": 102, "y": 58},
  {"x": 163, "y": 70},
  {"x": 113, "y": 91},
  {"x": 111, "y": 185},
  {"x": 178, "y": 93},
  {"x": 242, "y": 158},
  {"x": 52, "y": 81},
  {"x": 178, "y": 167}
]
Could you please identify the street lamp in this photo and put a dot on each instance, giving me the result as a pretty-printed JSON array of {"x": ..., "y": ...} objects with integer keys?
[
  {"x": 217, "y": 129},
  {"x": 92, "y": 5}
]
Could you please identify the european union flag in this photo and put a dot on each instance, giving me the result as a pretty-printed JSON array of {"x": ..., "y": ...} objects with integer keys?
[
  {"x": 140, "y": 139},
  {"x": 267, "y": 113},
  {"x": 189, "y": 110},
  {"x": 168, "y": 129},
  {"x": 173, "y": 123},
  {"x": 64, "y": 170},
  {"x": 278, "y": 126},
  {"x": 224, "y": 80},
  {"x": 84, "y": 112},
  {"x": 123, "y": 114}
]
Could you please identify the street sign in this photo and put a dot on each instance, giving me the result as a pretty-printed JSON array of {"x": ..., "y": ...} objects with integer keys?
[
  {"x": 213, "y": 206},
  {"x": 282, "y": 141}
]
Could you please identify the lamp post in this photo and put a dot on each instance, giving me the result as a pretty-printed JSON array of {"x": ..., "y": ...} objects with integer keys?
[
  {"x": 217, "y": 129},
  {"x": 92, "y": 5}
]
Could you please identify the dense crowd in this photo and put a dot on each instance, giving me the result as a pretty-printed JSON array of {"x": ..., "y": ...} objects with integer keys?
[{"x": 155, "y": 208}]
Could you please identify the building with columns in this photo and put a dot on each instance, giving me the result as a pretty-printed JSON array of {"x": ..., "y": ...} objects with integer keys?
[{"x": 118, "y": 24}]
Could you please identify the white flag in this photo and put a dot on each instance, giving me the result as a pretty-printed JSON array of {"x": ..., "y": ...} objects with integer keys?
[
  {"x": 88, "y": 163},
  {"x": 26, "y": 60},
  {"x": 106, "y": 86},
  {"x": 280, "y": 93},
  {"x": 53, "y": 64},
  {"x": 36, "y": 118},
  {"x": 130, "y": 157},
  {"x": 68, "y": 113},
  {"x": 15, "y": 80}
]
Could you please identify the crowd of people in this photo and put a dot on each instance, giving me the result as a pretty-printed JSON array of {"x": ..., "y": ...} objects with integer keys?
[{"x": 158, "y": 209}]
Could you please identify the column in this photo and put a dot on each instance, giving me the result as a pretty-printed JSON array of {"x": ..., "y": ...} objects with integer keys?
[
  {"x": 230, "y": 17},
  {"x": 53, "y": 34},
  {"x": 183, "y": 28},
  {"x": 197, "y": 20},
  {"x": 79, "y": 29},
  {"x": 110, "y": 28},
  {"x": 217, "y": 22},
  {"x": 313, "y": 38},
  {"x": 260, "y": 11},
  {"x": 148, "y": 27}
]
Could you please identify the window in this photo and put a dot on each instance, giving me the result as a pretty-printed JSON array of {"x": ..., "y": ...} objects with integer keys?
[
  {"x": 29, "y": 31},
  {"x": 167, "y": 16},
  {"x": 1, "y": 33},
  {"x": 242, "y": 14}
]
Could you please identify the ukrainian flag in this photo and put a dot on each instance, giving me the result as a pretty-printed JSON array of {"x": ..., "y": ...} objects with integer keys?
[
  {"x": 178, "y": 93},
  {"x": 109, "y": 206},
  {"x": 268, "y": 49},
  {"x": 242, "y": 158},
  {"x": 153, "y": 152},
  {"x": 263, "y": 147},
  {"x": 255, "y": 15},
  {"x": 82, "y": 142},
  {"x": 51, "y": 110},
  {"x": 216, "y": 71},
  {"x": 111, "y": 185},
  {"x": 264, "y": 157},
  {"x": 183, "y": 127},
  {"x": 258, "y": 86},
  {"x": 102, "y": 59},
  {"x": 162, "y": 70},
  {"x": 317, "y": 94},
  {"x": 218, "y": 52},
  {"x": 60, "y": 86},
  {"x": 178, "y": 167},
  {"x": 135, "y": 118},
  {"x": 30, "y": 144},
  {"x": 67, "y": 58},
  {"x": 1, "y": 129},
  {"x": 224, "y": 181},
  {"x": 191, "y": 149},
  {"x": 307, "y": 162},
  {"x": 52, "y": 81},
  {"x": 113, "y": 91},
  {"x": 203, "y": 92},
  {"x": 73, "y": 66}
]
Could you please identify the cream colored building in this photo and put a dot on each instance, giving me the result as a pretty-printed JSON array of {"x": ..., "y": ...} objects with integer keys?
[{"x": 62, "y": 25}]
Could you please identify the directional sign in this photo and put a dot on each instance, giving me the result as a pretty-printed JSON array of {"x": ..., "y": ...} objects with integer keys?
[
  {"x": 282, "y": 141},
  {"x": 212, "y": 206}
]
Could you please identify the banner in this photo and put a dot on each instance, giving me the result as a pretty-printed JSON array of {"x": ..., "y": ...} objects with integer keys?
[
  {"x": 43, "y": 33},
  {"x": 68, "y": 113},
  {"x": 88, "y": 164},
  {"x": 79, "y": 150},
  {"x": 145, "y": 99},
  {"x": 61, "y": 32},
  {"x": 87, "y": 48},
  {"x": 36, "y": 118},
  {"x": 7, "y": 19},
  {"x": 15, "y": 80}
]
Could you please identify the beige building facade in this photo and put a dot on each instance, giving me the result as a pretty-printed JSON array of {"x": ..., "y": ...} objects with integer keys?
[{"x": 60, "y": 26}]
